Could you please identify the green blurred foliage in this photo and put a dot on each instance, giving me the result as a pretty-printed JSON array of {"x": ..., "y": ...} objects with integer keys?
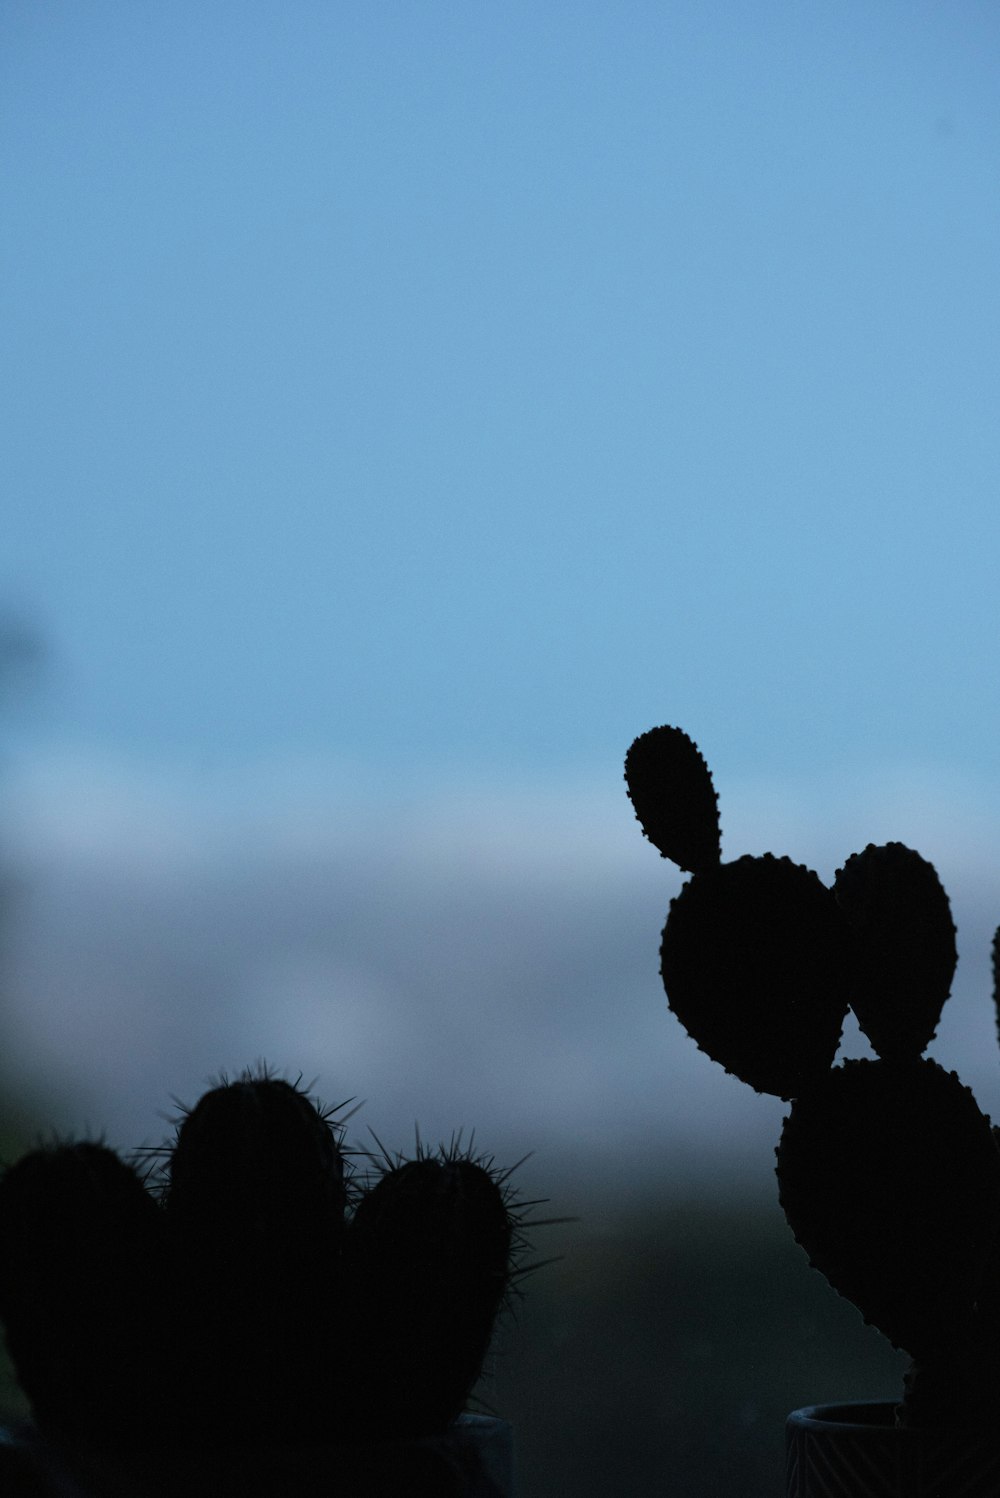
[
  {"x": 664, "y": 1351},
  {"x": 14, "y": 1140}
]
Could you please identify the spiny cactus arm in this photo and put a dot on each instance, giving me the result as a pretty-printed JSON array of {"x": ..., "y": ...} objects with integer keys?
[
  {"x": 903, "y": 947},
  {"x": 753, "y": 960},
  {"x": 670, "y": 787},
  {"x": 255, "y": 1200},
  {"x": 258, "y": 1155},
  {"x": 427, "y": 1266},
  {"x": 890, "y": 1179},
  {"x": 81, "y": 1268}
]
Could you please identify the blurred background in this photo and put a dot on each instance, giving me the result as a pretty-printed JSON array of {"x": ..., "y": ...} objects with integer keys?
[{"x": 403, "y": 407}]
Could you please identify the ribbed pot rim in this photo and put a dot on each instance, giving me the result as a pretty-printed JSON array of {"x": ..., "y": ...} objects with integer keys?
[
  {"x": 852, "y": 1414},
  {"x": 856, "y": 1450}
]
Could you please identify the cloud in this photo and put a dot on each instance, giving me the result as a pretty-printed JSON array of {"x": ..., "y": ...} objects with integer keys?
[{"x": 470, "y": 955}]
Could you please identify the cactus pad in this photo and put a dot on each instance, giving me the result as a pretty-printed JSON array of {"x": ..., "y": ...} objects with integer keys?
[
  {"x": 890, "y": 1179},
  {"x": 753, "y": 962},
  {"x": 671, "y": 789},
  {"x": 904, "y": 947}
]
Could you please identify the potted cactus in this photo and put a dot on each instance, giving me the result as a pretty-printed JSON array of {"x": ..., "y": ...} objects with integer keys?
[
  {"x": 241, "y": 1312},
  {"x": 888, "y": 1172}
]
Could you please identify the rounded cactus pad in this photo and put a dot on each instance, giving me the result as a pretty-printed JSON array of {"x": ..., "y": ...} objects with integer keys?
[
  {"x": 890, "y": 1179},
  {"x": 753, "y": 960},
  {"x": 903, "y": 946},
  {"x": 670, "y": 787}
]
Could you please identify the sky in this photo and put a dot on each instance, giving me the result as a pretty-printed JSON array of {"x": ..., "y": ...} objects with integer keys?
[{"x": 405, "y": 406}]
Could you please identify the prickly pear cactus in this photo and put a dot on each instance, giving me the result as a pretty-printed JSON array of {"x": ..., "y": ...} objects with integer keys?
[
  {"x": 753, "y": 954},
  {"x": 888, "y": 1172},
  {"x": 246, "y": 1288},
  {"x": 890, "y": 1179},
  {"x": 904, "y": 947},
  {"x": 671, "y": 788}
]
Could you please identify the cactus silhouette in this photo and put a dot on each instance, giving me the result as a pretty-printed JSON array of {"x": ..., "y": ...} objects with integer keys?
[
  {"x": 81, "y": 1246},
  {"x": 888, "y": 1173},
  {"x": 429, "y": 1250},
  {"x": 245, "y": 1286}
]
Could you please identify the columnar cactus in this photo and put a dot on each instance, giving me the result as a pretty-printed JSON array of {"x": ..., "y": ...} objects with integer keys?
[
  {"x": 888, "y": 1172},
  {"x": 243, "y": 1287}
]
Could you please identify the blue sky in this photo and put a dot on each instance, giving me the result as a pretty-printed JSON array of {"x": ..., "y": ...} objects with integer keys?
[
  {"x": 419, "y": 401},
  {"x": 452, "y": 385}
]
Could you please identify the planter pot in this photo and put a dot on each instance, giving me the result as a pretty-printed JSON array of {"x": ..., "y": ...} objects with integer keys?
[
  {"x": 473, "y": 1459},
  {"x": 856, "y": 1451}
]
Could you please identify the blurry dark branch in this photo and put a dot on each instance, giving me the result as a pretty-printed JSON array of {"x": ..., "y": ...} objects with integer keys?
[{"x": 21, "y": 655}]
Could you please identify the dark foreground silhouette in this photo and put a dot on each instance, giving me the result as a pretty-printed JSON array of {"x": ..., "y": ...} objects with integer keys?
[
  {"x": 240, "y": 1313},
  {"x": 888, "y": 1173}
]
